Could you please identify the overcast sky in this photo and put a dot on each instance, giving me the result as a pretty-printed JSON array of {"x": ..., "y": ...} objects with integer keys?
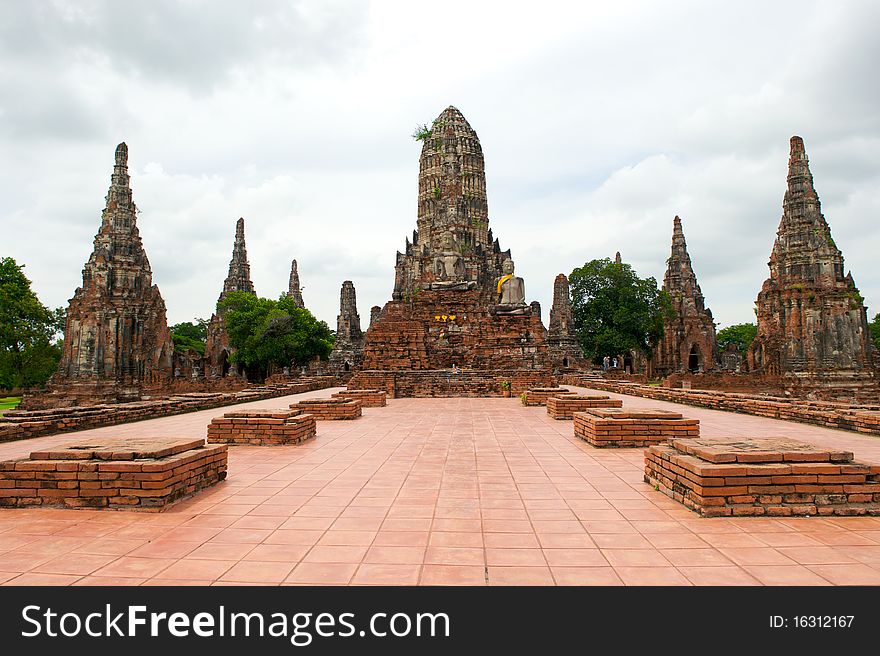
[{"x": 599, "y": 122}]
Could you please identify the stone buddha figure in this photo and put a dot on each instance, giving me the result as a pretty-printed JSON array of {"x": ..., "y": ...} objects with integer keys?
[
  {"x": 449, "y": 267},
  {"x": 511, "y": 291}
]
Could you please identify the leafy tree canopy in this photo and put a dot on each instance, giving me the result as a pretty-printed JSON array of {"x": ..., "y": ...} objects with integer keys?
[
  {"x": 740, "y": 334},
  {"x": 874, "y": 327},
  {"x": 267, "y": 332},
  {"x": 190, "y": 336},
  {"x": 615, "y": 311},
  {"x": 29, "y": 351}
]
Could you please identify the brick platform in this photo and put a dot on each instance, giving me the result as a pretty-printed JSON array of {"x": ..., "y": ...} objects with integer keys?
[
  {"x": 539, "y": 395},
  {"x": 143, "y": 473},
  {"x": 632, "y": 428},
  {"x": 564, "y": 407},
  {"x": 718, "y": 477},
  {"x": 262, "y": 427},
  {"x": 329, "y": 408},
  {"x": 368, "y": 398}
]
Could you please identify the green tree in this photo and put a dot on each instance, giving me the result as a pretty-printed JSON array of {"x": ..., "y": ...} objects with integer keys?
[
  {"x": 615, "y": 311},
  {"x": 874, "y": 327},
  {"x": 266, "y": 332},
  {"x": 29, "y": 348},
  {"x": 189, "y": 336},
  {"x": 741, "y": 334}
]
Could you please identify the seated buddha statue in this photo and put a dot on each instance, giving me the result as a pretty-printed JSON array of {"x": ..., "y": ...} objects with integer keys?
[
  {"x": 449, "y": 267},
  {"x": 511, "y": 291}
]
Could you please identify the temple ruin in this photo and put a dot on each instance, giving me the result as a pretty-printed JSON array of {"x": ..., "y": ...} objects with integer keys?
[
  {"x": 565, "y": 349},
  {"x": 457, "y": 303},
  {"x": 812, "y": 321},
  {"x": 688, "y": 343},
  {"x": 116, "y": 338},
  {"x": 294, "y": 290},
  {"x": 348, "y": 349},
  {"x": 217, "y": 347}
]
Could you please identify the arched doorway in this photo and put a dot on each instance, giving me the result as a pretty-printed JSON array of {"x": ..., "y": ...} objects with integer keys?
[
  {"x": 694, "y": 359},
  {"x": 346, "y": 368},
  {"x": 224, "y": 364},
  {"x": 628, "y": 363},
  {"x": 564, "y": 362}
]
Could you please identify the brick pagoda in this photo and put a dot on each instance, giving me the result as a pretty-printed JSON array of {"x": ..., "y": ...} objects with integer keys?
[
  {"x": 812, "y": 321},
  {"x": 565, "y": 349},
  {"x": 294, "y": 290},
  {"x": 688, "y": 342},
  {"x": 116, "y": 338},
  {"x": 456, "y": 299},
  {"x": 348, "y": 349},
  {"x": 217, "y": 348}
]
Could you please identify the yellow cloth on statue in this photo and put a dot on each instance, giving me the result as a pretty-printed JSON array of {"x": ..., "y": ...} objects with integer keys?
[{"x": 502, "y": 280}]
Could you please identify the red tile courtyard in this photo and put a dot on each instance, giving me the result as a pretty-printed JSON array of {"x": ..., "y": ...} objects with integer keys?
[{"x": 437, "y": 492}]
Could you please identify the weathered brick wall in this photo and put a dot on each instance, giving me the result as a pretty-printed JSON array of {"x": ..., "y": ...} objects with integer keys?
[
  {"x": 443, "y": 383},
  {"x": 863, "y": 418},
  {"x": 22, "y": 424}
]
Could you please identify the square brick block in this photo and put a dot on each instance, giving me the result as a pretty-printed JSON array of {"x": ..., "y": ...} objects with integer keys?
[
  {"x": 369, "y": 398},
  {"x": 615, "y": 427},
  {"x": 564, "y": 407},
  {"x": 762, "y": 476},
  {"x": 539, "y": 395},
  {"x": 281, "y": 427},
  {"x": 333, "y": 408},
  {"x": 143, "y": 473}
]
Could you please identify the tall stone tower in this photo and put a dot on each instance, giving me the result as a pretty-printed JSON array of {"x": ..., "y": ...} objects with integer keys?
[
  {"x": 457, "y": 303},
  {"x": 217, "y": 347},
  {"x": 374, "y": 313},
  {"x": 688, "y": 342},
  {"x": 565, "y": 350},
  {"x": 348, "y": 350},
  {"x": 294, "y": 290},
  {"x": 812, "y": 322},
  {"x": 116, "y": 339}
]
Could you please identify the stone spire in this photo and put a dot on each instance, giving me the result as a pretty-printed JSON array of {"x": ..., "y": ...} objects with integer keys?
[
  {"x": 688, "y": 342},
  {"x": 294, "y": 290},
  {"x": 565, "y": 350},
  {"x": 239, "y": 277},
  {"x": 453, "y": 212},
  {"x": 116, "y": 337},
  {"x": 811, "y": 316},
  {"x": 348, "y": 349},
  {"x": 374, "y": 313}
]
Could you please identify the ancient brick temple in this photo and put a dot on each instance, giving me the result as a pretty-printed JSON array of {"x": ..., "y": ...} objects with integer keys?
[
  {"x": 217, "y": 347},
  {"x": 116, "y": 339},
  {"x": 348, "y": 349},
  {"x": 688, "y": 342},
  {"x": 812, "y": 322},
  {"x": 457, "y": 303},
  {"x": 294, "y": 290},
  {"x": 565, "y": 349},
  {"x": 374, "y": 313}
]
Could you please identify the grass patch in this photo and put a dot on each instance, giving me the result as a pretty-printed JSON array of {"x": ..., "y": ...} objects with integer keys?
[{"x": 9, "y": 403}]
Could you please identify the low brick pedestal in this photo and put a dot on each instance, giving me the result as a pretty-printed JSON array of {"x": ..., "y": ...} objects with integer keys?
[
  {"x": 564, "y": 407},
  {"x": 145, "y": 473},
  {"x": 613, "y": 427},
  {"x": 329, "y": 408},
  {"x": 539, "y": 395},
  {"x": 262, "y": 427},
  {"x": 369, "y": 398},
  {"x": 737, "y": 476}
]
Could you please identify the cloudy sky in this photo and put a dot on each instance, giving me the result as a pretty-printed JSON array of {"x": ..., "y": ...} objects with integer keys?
[{"x": 599, "y": 122}]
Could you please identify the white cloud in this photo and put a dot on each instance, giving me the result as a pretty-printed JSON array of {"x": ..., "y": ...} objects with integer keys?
[{"x": 599, "y": 122}]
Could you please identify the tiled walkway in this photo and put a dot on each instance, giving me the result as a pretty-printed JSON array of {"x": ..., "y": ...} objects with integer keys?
[{"x": 437, "y": 491}]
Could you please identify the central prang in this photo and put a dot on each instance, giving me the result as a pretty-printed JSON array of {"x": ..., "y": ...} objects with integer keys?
[{"x": 458, "y": 323}]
